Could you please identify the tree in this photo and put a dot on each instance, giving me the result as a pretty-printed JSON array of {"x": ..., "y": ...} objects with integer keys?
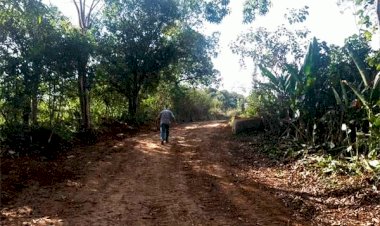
[
  {"x": 252, "y": 8},
  {"x": 193, "y": 64},
  {"x": 148, "y": 42},
  {"x": 194, "y": 12},
  {"x": 368, "y": 12},
  {"x": 139, "y": 47},
  {"x": 85, "y": 18},
  {"x": 229, "y": 100},
  {"x": 272, "y": 49},
  {"x": 30, "y": 31}
]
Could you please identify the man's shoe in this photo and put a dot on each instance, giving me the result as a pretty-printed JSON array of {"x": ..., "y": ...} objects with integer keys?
[{"x": 162, "y": 142}]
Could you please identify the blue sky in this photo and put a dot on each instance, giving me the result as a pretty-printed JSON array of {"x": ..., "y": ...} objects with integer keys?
[{"x": 326, "y": 22}]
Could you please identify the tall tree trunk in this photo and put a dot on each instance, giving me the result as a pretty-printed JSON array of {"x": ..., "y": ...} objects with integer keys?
[
  {"x": 26, "y": 112},
  {"x": 52, "y": 103},
  {"x": 33, "y": 96},
  {"x": 84, "y": 96},
  {"x": 34, "y": 108},
  {"x": 133, "y": 100},
  {"x": 132, "y": 107},
  {"x": 84, "y": 12}
]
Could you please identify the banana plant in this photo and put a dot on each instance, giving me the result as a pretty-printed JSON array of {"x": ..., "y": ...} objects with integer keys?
[
  {"x": 287, "y": 85},
  {"x": 369, "y": 98},
  {"x": 297, "y": 87}
]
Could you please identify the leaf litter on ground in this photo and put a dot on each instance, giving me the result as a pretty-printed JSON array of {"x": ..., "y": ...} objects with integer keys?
[{"x": 323, "y": 196}]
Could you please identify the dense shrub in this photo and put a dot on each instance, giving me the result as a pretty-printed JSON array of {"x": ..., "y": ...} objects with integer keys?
[{"x": 34, "y": 141}]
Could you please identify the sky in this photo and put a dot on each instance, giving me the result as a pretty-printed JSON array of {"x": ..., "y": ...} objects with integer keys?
[{"x": 326, "y": 21}]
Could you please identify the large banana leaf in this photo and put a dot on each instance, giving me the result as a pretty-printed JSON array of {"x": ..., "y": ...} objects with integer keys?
[
  {"x": 266, "y": 73},
  {"x": 292, "y": 79},
  {"x": 284, "y": 84},
  {"x": 344, "y": 94},
  {"x": 359, "y": 66},
  {"x": 308, "y": 62},
  {"x": 358, "y": 94},
  {"x": 309, "y": 66},
  {"x": 293, "y": 71},
  {"x": 337, "y": 97},
  {"x": 375, "y": 93}
]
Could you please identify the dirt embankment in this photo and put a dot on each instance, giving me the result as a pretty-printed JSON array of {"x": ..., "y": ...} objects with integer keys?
[{"x": 196, "y": 179}]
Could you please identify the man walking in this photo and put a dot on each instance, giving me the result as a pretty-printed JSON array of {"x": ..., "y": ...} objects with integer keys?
[{"x": 166, "y": 117}]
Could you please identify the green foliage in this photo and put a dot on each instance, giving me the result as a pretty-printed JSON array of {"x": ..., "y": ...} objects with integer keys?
[
  {"x": 253, "y": 104},
  {"x": 297, "y": 15},
  {"x": 193, "y": 105},
  {"x": 252, "y": 8},
  {"x": 229, "y": 100},
  {"x": 310, "y": 103},
  {"x": 313, "y": 102},
  {"x": 36, "y": 140},
  {"x": 27, "y": 59},
  {"x": 131, "y": 63},
  {"x": 272, "y": 49},
  {"x": 216, "y": 10},
  {"x": 188, "y": 103},
  {"x": 356, "y": 166},
  {"x": 148, "y": 42},
  {"x": 368, "y": 14}
]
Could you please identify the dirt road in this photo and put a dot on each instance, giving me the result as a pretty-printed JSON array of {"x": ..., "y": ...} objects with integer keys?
[{"x": 193, "y": 180}]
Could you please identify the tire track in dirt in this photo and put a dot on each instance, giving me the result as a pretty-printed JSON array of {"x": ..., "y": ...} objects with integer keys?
[
  {"x": 146, "y": 189},
  {"x": 190, "y": 181},
  {"x": 212, "y": 178}
]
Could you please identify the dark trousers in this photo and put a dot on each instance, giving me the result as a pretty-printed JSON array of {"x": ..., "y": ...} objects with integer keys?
[{"x": 164, "y": 132}]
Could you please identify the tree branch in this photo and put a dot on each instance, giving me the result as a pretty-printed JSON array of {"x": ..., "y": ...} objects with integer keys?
[
  {"x": 94, "y": 3},
  {"x": 78, "y": 12}
]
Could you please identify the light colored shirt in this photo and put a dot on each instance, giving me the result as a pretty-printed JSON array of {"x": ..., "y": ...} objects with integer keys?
[{"x": 166, "y": 116}]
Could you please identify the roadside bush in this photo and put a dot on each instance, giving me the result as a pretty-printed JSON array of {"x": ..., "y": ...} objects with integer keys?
[
  {"x": 34, "y": 141},
  {"x": 330, "y": 105}
]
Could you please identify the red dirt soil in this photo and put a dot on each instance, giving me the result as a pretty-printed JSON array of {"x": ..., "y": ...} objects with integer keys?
[{"x": 193, "y": 180}]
